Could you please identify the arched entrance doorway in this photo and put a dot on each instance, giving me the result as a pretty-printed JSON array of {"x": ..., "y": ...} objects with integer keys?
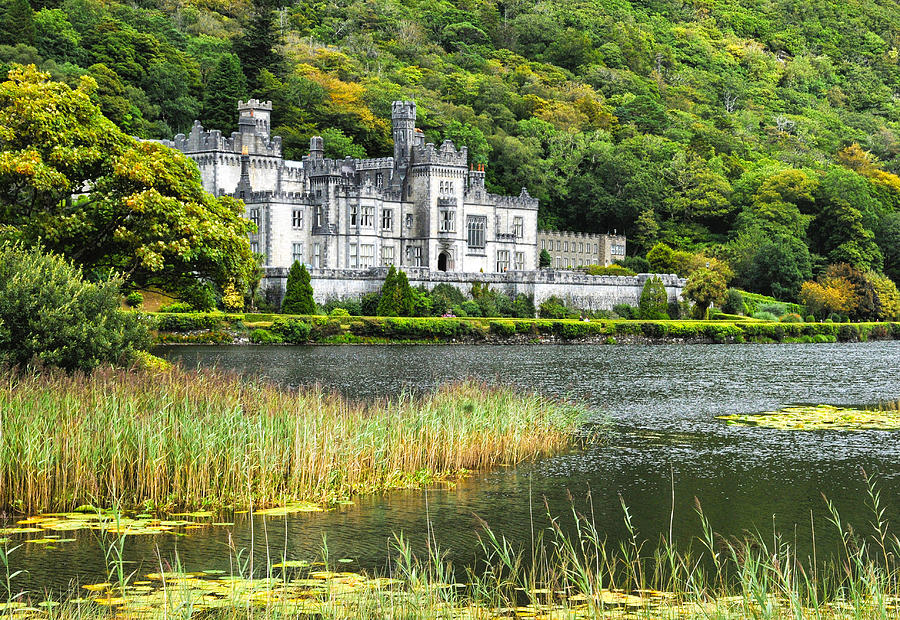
[{"x": 443, "y": 261}]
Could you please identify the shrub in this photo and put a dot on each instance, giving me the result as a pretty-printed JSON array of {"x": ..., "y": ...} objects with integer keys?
[
  {"x": 177, "y": 306},
  {"x": 134, "y": 299},
  {"x": 444, "y": 296},
  {"x": 339, "y": 313},
  {"x": 264, "y": 336},
  {"x": 705, "y": 287},
  {"x": 368, "y": 304},
  {"x": 553, "y": 308},
  {"x": 611, "y": 270},
  {"x": 765, "y": 316},
  {"x": 625, "y": 311},
  {"x": 352, "y": 306},
  {"x": 50, "y": 315},
  {"x": 810, "y": 318},
  {"x": 189, "y": 322},
  {"x": 774, "y": 308},
  {"x": 661, "y": 258},
  {"x": 734, "y": 302},
  {"x": 293, "y": 331},
  {"x": 470, "y": 308},
  {"x": 791, "y": 318},
  {"x": 654, "y": 300},
  {"x": 638, "y": 264}
]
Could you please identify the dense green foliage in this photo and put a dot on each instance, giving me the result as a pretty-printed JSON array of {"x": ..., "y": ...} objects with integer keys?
[
  {"x": 298, "y": 295},
  {"x": 763, "y": 133},
  {"x": 50, "y": 316}
]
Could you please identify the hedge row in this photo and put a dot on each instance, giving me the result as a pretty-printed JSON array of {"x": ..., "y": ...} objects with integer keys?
[{"x": 295, "y": 330}]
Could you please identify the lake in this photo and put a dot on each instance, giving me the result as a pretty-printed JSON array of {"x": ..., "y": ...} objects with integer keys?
[{"x": 655, "y": 410}]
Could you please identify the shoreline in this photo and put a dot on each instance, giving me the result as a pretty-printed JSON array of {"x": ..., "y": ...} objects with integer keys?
[{"x": 250, "y": 329}]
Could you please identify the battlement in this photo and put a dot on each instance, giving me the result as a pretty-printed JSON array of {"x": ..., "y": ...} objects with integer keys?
[
  {"x": 446, "y": 155},
  {"x": 270, "y": 196},
  {"x": 254, "y": 104},
  {"x": 523, "y": 201},
  {"x": 316, "y": 166},
  {"x": 403, "y": 110},
  {"x": 375, "y": 164},
  {"x": 568, "y": 234},
  {"x": 201, "y": 140}
]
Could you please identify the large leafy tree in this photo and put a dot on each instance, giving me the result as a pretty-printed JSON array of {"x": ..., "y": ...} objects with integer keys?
[{"x": 73, "y": 182}]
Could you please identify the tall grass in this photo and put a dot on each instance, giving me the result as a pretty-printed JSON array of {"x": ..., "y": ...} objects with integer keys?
[{"x": 199, "y": 438}]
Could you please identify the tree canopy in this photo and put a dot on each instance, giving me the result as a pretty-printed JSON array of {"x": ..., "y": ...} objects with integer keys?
[{"x": 72, "y": 181}]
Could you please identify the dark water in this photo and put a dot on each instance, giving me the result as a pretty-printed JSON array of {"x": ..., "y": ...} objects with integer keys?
[{"x": 659, "y": 401}]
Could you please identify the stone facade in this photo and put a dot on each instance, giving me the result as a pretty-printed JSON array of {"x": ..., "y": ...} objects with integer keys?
[
  {"x": 572, "y": 249},
  {"x": 423, "y": 207}
]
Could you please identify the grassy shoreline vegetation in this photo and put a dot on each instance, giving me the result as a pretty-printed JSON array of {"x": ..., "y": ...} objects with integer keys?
[
  {"x": 567, "y": 571},
  {"x": 220, "y": 328},
  {"x": 191, "y": 439}
]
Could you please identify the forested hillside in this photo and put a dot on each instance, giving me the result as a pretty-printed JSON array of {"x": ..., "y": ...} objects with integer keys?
[{"x": 760, "y": 132}]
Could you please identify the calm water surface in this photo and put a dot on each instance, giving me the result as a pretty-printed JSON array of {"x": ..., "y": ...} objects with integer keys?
[{"x": 659, "y": 401}]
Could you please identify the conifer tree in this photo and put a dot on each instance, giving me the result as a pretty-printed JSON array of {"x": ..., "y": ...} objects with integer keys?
[
  {"x": 405, "y": 302},
  {"x": 387, "y": 305},
  {"x": 256, "y": 47},
  {"x": 298, "y": 296},
  {"x": 226, "y": 85},
  {"x": 16, "y": 22},
  {"x": 654, "y": 302}
]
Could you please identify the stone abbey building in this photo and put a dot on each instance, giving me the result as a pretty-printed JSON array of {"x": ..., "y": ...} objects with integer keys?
[{"x": 423, "y": 207}]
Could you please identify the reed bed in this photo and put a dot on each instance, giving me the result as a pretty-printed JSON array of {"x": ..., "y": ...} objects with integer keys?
[{"x": 191, "y": 439}]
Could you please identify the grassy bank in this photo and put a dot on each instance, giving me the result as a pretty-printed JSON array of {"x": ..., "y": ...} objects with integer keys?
[
  {"x": 193, "y": 439},
  {"x": 267, "y": 328},
  {"x": 566, "y": 571}
]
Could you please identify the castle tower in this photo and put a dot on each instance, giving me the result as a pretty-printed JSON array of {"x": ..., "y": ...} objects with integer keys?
[
  {"x": 255, "y": 116},
  {"x": 403, "y": 121}
]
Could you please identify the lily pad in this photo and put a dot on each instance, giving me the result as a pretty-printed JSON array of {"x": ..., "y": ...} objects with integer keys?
[{"x": 819, "y": 417}]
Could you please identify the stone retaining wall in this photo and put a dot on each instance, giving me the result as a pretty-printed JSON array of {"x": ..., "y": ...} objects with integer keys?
[{"x": 579, "y": 290}]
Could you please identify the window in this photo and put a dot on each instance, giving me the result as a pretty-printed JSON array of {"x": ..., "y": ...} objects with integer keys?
[
  {"x": 318, "y": 216},
  {"x": 518, "y": 227},
  {"x": 520, "y": 261},
  {"x": 414, "y": 255},
  {"x": 297, "y": 218},
  {"x": 387, "y": 255},
  {"x": 566, "y": 246},
  {"x": 409, "y": 220},
  {"x": 387, "y": 219},
  {"x": 318, "y": 193},
  {"x": 618, "y": 249},
  {"x": 254, "y": 217},
  {"x": 368, "y": 216},
  {"x": 595, "y": 248},
  {"x": 581, "y": 247},
  {"x": 502, "y": 260},
  {"x": 447, "y": 222},
  {"x": 379, "y": 180},
  {"x": 354, "y": 256},
  {"x": 366, "y": 255},
  {"x": 297, "y": 253},
  {"x": 254, "y": 247},
  {"x": 354, "y": 215},
  {"x": 558, "y": 262},
  {"x": 543, "y": 244},
  {"x": 475, "y": 225},
  {"x": 558, "y": 245},
  {"x": 317, "y": 255}
]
